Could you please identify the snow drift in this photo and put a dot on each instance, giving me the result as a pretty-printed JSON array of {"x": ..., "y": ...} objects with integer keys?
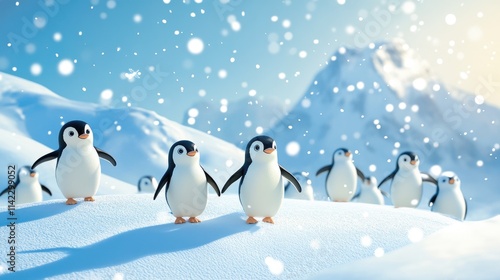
[{"x": 132, "y": 236}]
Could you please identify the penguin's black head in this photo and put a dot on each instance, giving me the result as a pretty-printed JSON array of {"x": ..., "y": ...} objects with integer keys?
[
  {"x": 448, "y": 179},
  {"x": 73, "y": 133},
  {"x": 408, "y": 160},
  {"x": 183, "y": 151},
  {"x": 341, "y": 153},
  {"x": 259, "y": 147},
  {"x": 145, "y": 181}
]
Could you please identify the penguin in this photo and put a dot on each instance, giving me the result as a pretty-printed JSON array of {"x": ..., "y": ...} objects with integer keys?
[
  {"x": 186, "y": 182},
  {"x": 261, "y": 189},
  {"x": 147, "y": 184},
  {"x": 448, "y": 198},
  {"x": 369, "y": 192},
  {"x": 78, "y": 170},
  {"x": 406, "y": 185},
  {"x": 307, "y": 192},
  {"x": 341, "y": 183},
  {"x": 27, "y": 187}
]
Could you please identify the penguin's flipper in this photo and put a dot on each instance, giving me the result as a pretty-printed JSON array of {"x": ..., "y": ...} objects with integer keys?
[
  {"x": 465, "y": 215},
  {"x": 165, "y": 180},
  {"x": 428, "y": 178},
  {"x": 6, "y": 190},
  {"x": 290, "y": 178},
  {"x": 105, "y": 156},
  {"x": 356, "y": 196},
  {"x": 239, "y": 173},
  {"x": 45, "y": 189},
  {"x": 433, "y": 198},
  {"x": 47, "y": 157},
  {"x": 389, "y": 177},
  {"x": 325, "y": 168},
  {"x": 384, "y": 193},
  {"x": 212, "y": 182},
  {"x": 360, "y": 174}
]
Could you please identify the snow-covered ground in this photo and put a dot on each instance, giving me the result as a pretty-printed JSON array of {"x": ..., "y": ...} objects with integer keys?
[
  {"x": 133, "y": 236},
  {"x": 461, "y": 251}
]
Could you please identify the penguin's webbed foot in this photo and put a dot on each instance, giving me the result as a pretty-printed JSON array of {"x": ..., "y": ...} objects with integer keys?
[
  {"x": 251, "y": 220},
  {"x": 70, "y": 201},
  {"x": 89, "y": 199},
  {"x": 268, "y": 220},
  {"x": 194, "y": 220},
  {"x": 179, "y": 220}
]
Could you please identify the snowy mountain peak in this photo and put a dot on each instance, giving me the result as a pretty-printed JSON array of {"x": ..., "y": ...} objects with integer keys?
[{"x": 400, "y": 66}]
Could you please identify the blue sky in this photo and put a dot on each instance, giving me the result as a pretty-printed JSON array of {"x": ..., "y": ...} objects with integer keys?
[{"x": 94, "y": 50}]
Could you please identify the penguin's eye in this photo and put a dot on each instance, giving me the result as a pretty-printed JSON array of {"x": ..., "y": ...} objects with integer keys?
[
  {"x": 87, "y": 131},
  {"x": 180, "y": 151},
  {"x": 145, "y": 183},
  {"x": 274, "y": 146},
  {"x": 196, "y": 149},
  {"x": 405, "y": 159},
  {"x": 444, "y": 180},
  {"x": 71, "y": 134},
  {"x": 256, "y": 148},
  {"x": 339, "y": 153}
]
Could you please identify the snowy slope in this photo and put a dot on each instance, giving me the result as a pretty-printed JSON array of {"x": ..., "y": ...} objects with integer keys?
[
  {"x": 133, "y": 237},
  {"x": 138, "y": 139},
  {"x": 381, "y": 101},
  {"x": 450, "y": 253}
]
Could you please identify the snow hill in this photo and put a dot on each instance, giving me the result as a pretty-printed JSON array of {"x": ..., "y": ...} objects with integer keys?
[
  {"x": 134, "y": 237},
  {"x": 381, "y": 101},
  {"x": 138, "y": 139}
]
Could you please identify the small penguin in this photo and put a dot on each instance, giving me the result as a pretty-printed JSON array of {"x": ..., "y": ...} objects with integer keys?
[
  {"x": 406, "y": 186},
  {"x": 147, "y": 184},
  {"x": 27, "y": 187},
  {"x": 307, "y": 191},
  {"x": 341, "y": 183},
  {"x": 186, "y": 182},
  {"x": 370, "y": 193},
  {"x": 448, "y": 198},
  {"x": 78, "y": 170},
  {"x": 261, "y": 189}
]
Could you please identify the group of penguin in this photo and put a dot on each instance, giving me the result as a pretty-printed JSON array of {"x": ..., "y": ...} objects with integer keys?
[
  {"x": 261, "y": 184},
  {"x": 406, "y": 185}
]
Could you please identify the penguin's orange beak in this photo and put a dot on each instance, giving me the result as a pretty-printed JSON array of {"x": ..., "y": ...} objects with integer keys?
[
  {"x": 451, "y": 181},
  {"x": 347, "y": 154},
  {"x": 413, "y": 162},
  {"x": 32, "y": 174},
  {"x": 83, "y": 136},
  {"x": 192, "y": 153},
  {"x": 269, "y": 150}
]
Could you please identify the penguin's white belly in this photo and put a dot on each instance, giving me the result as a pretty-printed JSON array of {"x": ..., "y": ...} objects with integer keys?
[
  {"x": 187, "y": 193},
  {"x": 262, "y": 191},
  {"x": 372, "y": 196},
  {"x": 406, "y": 189},
  {"x": 78, "y": 172},
  {"x": 450, "y": 203},
  {"x": 341, "y": 182},
  {"x": 28, "y": 193}
]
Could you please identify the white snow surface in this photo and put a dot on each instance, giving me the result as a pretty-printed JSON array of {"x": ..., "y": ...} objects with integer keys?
[
  {"x": 462, "y": 251},
  {"x": 134, "y": 237}
]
